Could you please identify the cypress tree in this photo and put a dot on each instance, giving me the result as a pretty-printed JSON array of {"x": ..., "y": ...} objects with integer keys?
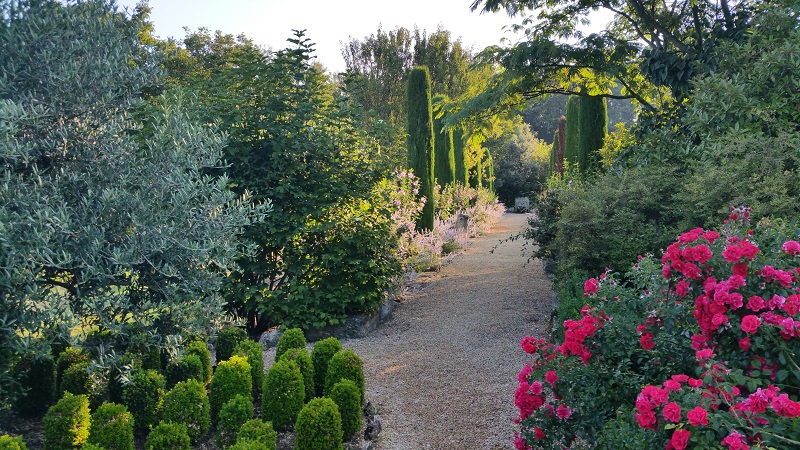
[
  {"x": 490, "y": 164},
  {"x": 445, "y": 163},
  {"x": 459, "y": 144},
  {"x": 572, "y": 131},
  {"x": 421, "y": 138},
  {"x": 553, "y": 150},
  {"x": 561, "y": 134},
  {"x": 476, "y": 175},
  {"x": 593, "y": 120}
]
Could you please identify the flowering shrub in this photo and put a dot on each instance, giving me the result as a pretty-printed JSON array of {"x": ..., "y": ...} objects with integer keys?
[
  {"x": 712, "y": 332},
  {"x": 421, "y": 251}
]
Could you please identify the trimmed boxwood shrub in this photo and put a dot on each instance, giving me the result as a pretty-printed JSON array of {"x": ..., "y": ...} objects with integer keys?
[
  {"x": 256, "y": 430},
  {"x": 345, "y": 364},
  {"x": 227, "y": 340},
  {"x": 188, "y": 403},
  {"x": 76, "y": 379},
  {"x": 168, "y": 436},
  {"x": 319, "y": 426},
  {"x": 90, "y": 446},
  {"x": 37, "y": 376},
  {"x": 320, "y": 357},
  {"x": 200, "y": 348},
  {"x": 255, "y": 357},
  {"x": 12, "y": 443},
  {"x": 66, "y": 424},
  {"x": 144, "y": 397},
  {"x": 347, "y": 397},
  {"x": 248, "y": 445},
  {"x": 185, "y": 368},
  {"x": 112, "y": 427},
  {"x": 69, "y": 357},
  {"x": 291, "y": 338},
  {"x": 303, "y": 360},
  {"x": 233, "y": 415},
  {"x": 283, "y": 394},
  {"x": 232, "y": 377}
]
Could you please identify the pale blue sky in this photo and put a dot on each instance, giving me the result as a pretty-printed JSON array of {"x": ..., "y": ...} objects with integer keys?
[{"x": 329, "y": 24}]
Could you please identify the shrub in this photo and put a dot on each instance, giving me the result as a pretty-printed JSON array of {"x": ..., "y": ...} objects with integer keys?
[
  {"x": 256, "y": 430},
  {"x": 248, "y": 445},
  {"x": 144, "y": 396},
  {"x": 291, "y": 338},
  {"x": 232, "y": 377},
  {"x": 12, "y": 443},
  {"x": 347, "y": 397},
  {"x": 719, "y": 306},
  {"x": 112, "y": 427},
  {"x": 227, "y": 340},
  {"x": 303, "y": 360},
  {"x": 90, "y": 446},
  {"x": 320, "y": 357},
  {"x": 37, "y": 375},
  {"x": 168, "y": 436},
  {"x": 200, "y": 349},
  {"x": 345, "y": 365},
  {"x": 319, "y": 426},
  {"x": 255, "y": 357},
  {"x": 283, "y": 395},
  {"x": 188, "y": 403},
  {"x": 231, "y": 417},
  {"x": 185, "y": 368},
  {"x": 66, "y": 424},
  {"x": 76, "y": 379},
  {"x": 69, "y": 357}
]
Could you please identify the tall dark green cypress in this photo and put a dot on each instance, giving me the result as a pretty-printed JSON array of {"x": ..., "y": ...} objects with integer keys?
[
  {"x": 553, "y": 150},
  {"x": 459, "y": 145},
  {"x": 572, "y": 131},
  {"x": 490, "y": 164},
  {"x": 420, "y": 139},
  {"x": 593, "y": 120},
  {"x": 445, "y": 162}
]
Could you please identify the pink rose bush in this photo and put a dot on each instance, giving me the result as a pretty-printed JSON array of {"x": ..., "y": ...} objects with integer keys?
[{"x": 712, "y": 332}]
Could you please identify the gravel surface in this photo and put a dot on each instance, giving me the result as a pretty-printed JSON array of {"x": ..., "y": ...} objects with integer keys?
[{"x": 443, "y": 371}]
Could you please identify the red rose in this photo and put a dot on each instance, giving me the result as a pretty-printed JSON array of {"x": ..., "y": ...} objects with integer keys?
[
  {"x": 697, "y": 417},
  {"x": 750, "y": 323},
  {"x": 647, "y": 341},
  {"x": 679, "y": 440},
  {"x": 672, "y": 412},
  {"x": 744, "y": 344}
]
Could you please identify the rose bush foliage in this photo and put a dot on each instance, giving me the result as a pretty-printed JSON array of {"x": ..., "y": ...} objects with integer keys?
[{"x": 712, "y": 332}]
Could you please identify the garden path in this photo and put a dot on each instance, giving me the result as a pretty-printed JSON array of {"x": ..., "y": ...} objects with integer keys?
[{"x": 442, "y": 373}]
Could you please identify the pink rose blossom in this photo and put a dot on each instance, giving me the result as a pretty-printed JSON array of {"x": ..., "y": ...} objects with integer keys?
[
  {"x": 698, "y": 417},
  {"x": 672, "y": 412},
  {"x": 679, "y": 440},
  {"x": 792, "y": 248},
  {"x": 750, "y": 323}
]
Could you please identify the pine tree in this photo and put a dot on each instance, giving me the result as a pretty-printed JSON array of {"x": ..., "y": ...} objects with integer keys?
[
  {"x": 593, "y": 120},
  {"x": 444, "y": 158},
  {"x": 572, "y": 131},
  {"x": 421, "y": 139}
]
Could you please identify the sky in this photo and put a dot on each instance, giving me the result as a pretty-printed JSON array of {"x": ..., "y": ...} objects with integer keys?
[{"x": 329, "y": 24}]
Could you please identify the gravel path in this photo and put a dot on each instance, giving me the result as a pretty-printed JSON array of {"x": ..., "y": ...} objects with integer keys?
[{"x": 442, "y": 372}]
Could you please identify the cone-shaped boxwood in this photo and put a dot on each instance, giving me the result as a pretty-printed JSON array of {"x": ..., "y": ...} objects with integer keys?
[
  {"x": 227, "y": 340},
  {"x": 291, "y": 338},
  {"x": 66, "y": 424},
  {"x": 320, "y": 357},
  {"x": 37, "y": 375},
  {"x": 168, "y": 436},
  {"x": 185, "y": 368},
  {"x": 200, "y": 348},
  {"x": 319, "y": 426},
  {"x": 303, "y": 360},
  {"x": 345, "y": 364},
  {"x": 283, "y": 395},
  {"x": 232, "y": 377},
  {"x": 347, "y": 397},
  {"x": 255, "y": 357},
  {"x": 12, "y": 443},
  {"x": 256, "y": 430},
  {"x": 188, "y": 403},
  {"x": 232, "y": 416},
  {"x": 112, "y": 427},
  {"x": 144, "y": 397}
]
